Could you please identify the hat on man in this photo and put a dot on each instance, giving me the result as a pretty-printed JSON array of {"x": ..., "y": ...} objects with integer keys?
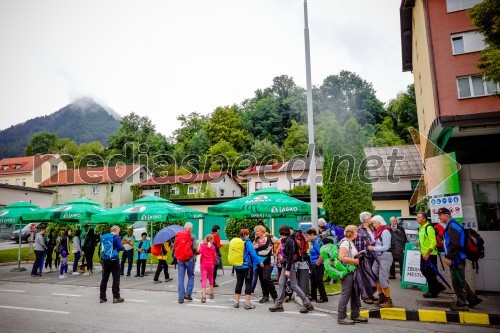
[{"x": 444, "y": 210}]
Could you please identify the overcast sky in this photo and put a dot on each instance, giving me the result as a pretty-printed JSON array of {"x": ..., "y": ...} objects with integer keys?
[{"x": 163, "y": 58}]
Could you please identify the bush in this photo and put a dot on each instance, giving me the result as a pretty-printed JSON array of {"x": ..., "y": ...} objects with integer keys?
[{"x": 233, "y": 226}]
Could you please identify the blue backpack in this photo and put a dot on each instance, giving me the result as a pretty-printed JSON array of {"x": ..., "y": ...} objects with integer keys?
[
  {"x": 338, "y": 231},
  {"x": 107, "y": 250}
]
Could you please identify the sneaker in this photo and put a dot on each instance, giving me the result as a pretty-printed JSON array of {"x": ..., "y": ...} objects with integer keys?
[
  {"x": 86, "y": 273},
  {"x": 287, "y": 299},
  {"x": 264, "y": 299},
  {"x": 180, "y": 301},
  {"x": 168, "y": 280},
  {"x": 61, "y": 276},
  {"x": 36, "y": 275},
  {"x": 75, "y": 273},
  {"x": 128, "y": 274},
  {"x": 118, "y": 300},
  {"x": 249, "y": 306},
  {"x": 322, "y": 300},
  {"x": 368, "y": 301},
  {"x": 277, "y": 307},
  {"x": 475, "y": 302},
  {"x": 360, "y": 320},
  {"x": 236, "y": 305},
  {"x": 215, "y": 285},
  {"x": 188, "y": 297},
  {"x": 459, "y": 308},
  {"x": 306, "y": 308},
  {"x": 345, "y": 321},
  {"x": 156, "y": 281},
  {"x": 102, "y": 300},
  {"x": 429, "y": 295}
]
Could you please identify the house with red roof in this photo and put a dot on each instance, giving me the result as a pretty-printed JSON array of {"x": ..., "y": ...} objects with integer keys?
[
  {"x": 195, "y": 185},
  {"x": 110, "y": 185},
  {"x": 30, "y": 171}
]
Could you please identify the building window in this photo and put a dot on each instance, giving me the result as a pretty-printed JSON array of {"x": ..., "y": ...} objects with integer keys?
[
  {"x": 466, "y": 42},
  {"x": 95, "y": 189},
  {"x": 258, "y": 185},
  {"x": 18, "y": 166},
  {"x": 487, "y": 201},
  {"x": 157, "y": 193},
  {"x": 54, "y": 168},
  {"x": 174, "y": 190},
  {"x": 5, "y": 167},
  {"x": 414, "y": 184},
  {"x": 273, "y": 183},
  {"x": 192, "y": 190},
  {"x": 112, "y": 188},
  {"x": 23, "y": 182},
  {"x": 456, "y": 5},
  {"x": 475, "y": 86},
  {"x": 109, "y": 205},
  {"x": 74, "y": 190},
  {"x": 221, "y": 192},
  {"x": 234, "y": 193},
  {"x": 299, "y": 182}
]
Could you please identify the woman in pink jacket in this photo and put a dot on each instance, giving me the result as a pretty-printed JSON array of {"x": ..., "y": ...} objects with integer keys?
[{"x": 207, "y": 264}]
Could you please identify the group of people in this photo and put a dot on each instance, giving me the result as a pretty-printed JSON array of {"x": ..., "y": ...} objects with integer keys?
[{"x": 45, "y": 246}]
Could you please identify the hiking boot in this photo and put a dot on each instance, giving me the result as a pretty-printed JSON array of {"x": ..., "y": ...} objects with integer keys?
[
  {"x": 306, "y": 308},
  {"x": 381, "y": 299},
  {"x": 264, "y": 299},
  {"x": 102, "y": 300},
  {"x": 188, "y": 297},
  {"x": 287, "y": 299},
  {"x": 368, "y": 301},
  {"x": 345, "y": 321},
  {"x": 249, "y": 306},
  {"x": 277, "y": 307},
  {"x": 180, "y": 300},
  {"x": 168, "y": 280},
  {"x": 429, "y": 295},
  {"x": 236, "y": 305},
  {"x": 387, "y": 303},
  {"x": 118, "y": 300},
  {"x": 360, "y": 320},
  {"x": 459, "y": 308},
  {"x": 322, "y": 300},
  {"x": 155, "y": 282},
  {"x": 474, "y": 302}
]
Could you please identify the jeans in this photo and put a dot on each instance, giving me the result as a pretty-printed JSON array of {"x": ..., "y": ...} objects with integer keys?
[
  {"x": 127, "y": 255},
  {"x": 75, "y": 263},
  {"x": 460, "y": 285},
  {"x": 293, "y": 285},
  {"x": 255, "y": 278},
  {"x": 183, "y": 267},
  {"x": 266, "y": 284},
  {"x": 317, "y": 283},
  {"x": 435, "y": 287},
  {"x": 162, "y": 266},
  {"x": 37, "y": 263},
  {"x": 349, "y": 294},
  {"x": 110, "y": 267}
]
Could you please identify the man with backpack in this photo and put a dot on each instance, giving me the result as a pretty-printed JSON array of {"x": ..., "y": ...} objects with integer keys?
[
  {"x": 185, "y": 253},
  {"x": 291, "y": 256},
  {"x": 428, "y": 253},
  {"x": 325, "y": 234},
  {"x": 111, "y": 245},
  {"x": 455, "y": 245}
]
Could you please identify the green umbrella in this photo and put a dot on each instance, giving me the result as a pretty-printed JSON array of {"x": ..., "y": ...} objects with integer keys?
[
  {"x": 74, "y": 211},
  {"x": 264, "y": 203},
  {"x": 150, "y": 208},
  {"x": 12, "y": 214}
]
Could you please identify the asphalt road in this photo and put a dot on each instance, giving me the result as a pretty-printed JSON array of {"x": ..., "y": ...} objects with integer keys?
[
  {"x": 8, "y": 244},
  {"x": 38, "y": 306}
]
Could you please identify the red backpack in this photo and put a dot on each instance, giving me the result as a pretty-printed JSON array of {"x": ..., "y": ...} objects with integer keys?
[
  {"x": 156, "y": 250},
  {"x": 183, "y": 246}
]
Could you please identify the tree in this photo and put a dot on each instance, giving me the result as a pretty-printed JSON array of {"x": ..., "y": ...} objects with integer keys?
[
  {"x": 385, "y": 135},
  {"x": 345, "y": 192},
  {"x": 41, "y": 143},
  {"x": 296, "y": 142},
  {"x": 265, "y": 151},
  {"x": 190, "y": 125},
  {"x": 403, "y": 112},
  {"x": 348, "y": 95},
  {"x": 90, "y": 154},
  {"x": 263, "y": 119},
  {"x": 486, "y": 17},
  {"x": 221, "y": 156},
  {"x": 225, "y": 124}
]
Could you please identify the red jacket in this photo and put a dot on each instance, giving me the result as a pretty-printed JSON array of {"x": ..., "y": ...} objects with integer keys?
[{"x": 216, "y": 239}]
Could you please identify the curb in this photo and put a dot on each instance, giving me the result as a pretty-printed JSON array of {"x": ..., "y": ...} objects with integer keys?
[{"x": 433, "y": 316}]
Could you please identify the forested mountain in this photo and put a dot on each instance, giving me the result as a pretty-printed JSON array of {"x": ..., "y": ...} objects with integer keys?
[{"x": 81, "y": 121}]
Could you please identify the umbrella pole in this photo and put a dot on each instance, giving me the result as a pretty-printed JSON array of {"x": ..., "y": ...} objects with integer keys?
[
  {"x": 151, "y": 258},
  {"x": 19, "y": 268}
]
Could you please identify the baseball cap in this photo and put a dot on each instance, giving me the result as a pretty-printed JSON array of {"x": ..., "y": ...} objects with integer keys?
[{"x": 443, "y": 210}]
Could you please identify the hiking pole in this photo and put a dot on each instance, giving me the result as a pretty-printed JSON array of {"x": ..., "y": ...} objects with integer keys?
[{"x": 431, "y": 265}]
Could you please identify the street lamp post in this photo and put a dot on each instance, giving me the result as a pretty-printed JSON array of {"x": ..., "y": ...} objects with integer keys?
[{"x": 310, "y": 126}]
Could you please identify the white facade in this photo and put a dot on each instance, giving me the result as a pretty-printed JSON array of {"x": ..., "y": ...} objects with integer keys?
[{"x": 282, "y": 180}]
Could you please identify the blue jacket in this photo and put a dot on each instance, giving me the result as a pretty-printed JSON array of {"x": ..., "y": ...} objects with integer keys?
[
  {"x": 117, "y": 246},
  {"x": 146, "y": 245},
  {"x": 250, "y": 257},
  {"x": 454, "y": 242},
  {"x": 314, "y": 249}
]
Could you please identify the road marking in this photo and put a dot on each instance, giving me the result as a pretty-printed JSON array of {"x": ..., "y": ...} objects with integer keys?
[
  {"x": 134, "y": 284},
  {"x": 309, "y": 314},
  {"x": 226, "y": 282},
  {"x": 13, "y": 291},
  {"x": 69, "y": 295},
  {"x": 210, "y": 306},
  {"x": 31, "y": 309},
  {"x": 136, "y": 300}
]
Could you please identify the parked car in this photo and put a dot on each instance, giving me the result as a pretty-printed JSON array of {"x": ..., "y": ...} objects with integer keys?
[
  {"x": 410, "y": 224},
  {"x": 14, "y": 236},
  {"x": 139, "y": 228}
]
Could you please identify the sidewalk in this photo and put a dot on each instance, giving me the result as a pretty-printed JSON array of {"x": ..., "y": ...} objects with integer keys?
[{"x": 409, "y": 303}]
